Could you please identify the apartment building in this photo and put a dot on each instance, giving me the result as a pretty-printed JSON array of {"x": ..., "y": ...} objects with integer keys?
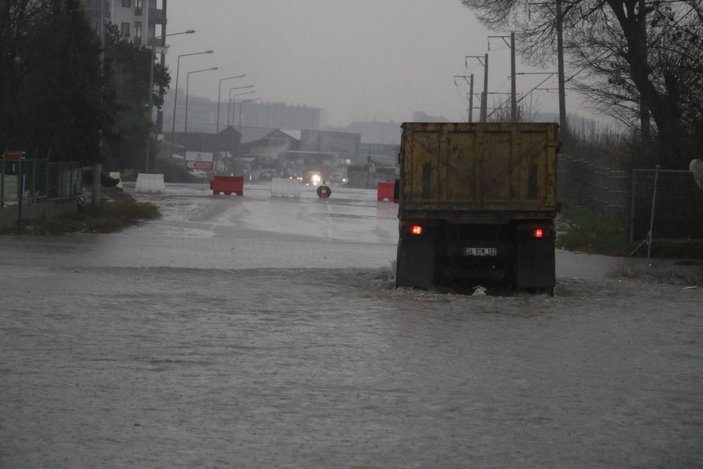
[{"x": 141, "y": 21}]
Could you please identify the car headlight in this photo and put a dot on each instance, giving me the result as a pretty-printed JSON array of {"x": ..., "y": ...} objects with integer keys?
[{"x": 316, "y": 178}]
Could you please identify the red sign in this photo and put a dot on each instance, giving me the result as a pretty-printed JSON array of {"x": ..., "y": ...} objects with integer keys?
[
  {"x": 200, "y": 165},
  {"x": 13, "y": 155}
]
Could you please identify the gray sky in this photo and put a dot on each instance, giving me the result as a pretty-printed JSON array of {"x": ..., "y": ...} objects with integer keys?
[{"x": 357, "y": 59}]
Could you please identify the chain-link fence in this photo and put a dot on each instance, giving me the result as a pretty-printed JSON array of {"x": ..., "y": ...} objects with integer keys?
[
  {"x": 40, "y": 180},
  {"x": 603, "y": 190},
  {"x": 674, "y": 205},
  {"x": 629, "y": 197}
]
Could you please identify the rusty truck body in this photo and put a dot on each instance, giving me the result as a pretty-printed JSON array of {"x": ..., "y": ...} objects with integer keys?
[{"x": 477, "y": 203}]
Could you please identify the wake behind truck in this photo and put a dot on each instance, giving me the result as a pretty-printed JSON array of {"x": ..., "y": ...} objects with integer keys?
[{"x": 477, "y": 203}]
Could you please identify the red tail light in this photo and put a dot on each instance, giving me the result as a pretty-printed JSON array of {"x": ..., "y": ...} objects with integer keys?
[
  {"x": 538, "y": 233},
  {"x": 416, "y": 230}
]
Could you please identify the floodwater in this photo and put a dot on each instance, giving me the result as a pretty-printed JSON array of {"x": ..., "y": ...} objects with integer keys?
[{"x": 257, "y": 332}]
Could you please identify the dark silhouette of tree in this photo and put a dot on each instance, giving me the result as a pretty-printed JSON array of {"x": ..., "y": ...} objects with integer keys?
[
  {"x": 51, "y": 96},
  {"x": 129, "y": 66},
  {"x": 59, "y": 100},
  {"x": 623, "y": 53}
]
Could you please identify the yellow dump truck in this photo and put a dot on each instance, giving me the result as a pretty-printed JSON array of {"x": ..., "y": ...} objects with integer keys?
[{"x": 477, "y": 203}]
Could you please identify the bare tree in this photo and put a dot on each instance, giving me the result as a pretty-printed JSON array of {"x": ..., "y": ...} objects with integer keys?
[{"x": 626, "y": 54}]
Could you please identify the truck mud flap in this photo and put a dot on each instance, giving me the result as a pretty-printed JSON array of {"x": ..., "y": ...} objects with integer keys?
[
  {"x": 535, "y": 264},
  {"x": 415, "y": 263}
]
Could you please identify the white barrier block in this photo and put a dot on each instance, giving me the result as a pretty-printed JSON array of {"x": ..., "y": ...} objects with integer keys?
[
  {"x": 281, "y": 187},
  {"x": 150, "y": 183},
  {"x": 116, "y": 175}
]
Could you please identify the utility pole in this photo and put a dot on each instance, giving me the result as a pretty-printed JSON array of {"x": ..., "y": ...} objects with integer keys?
[
  {"x": 483, "y": 60},
  {"x": 150, "y": 106},
  {"x": 470, "y": 94},
  {"x": 97, "y": 166},
  {"x": 513, "y": 82},
  {"x": 484, "y": 96},
  {"x": 560, "y": 61},
  {"x": 471, "y": 99}
]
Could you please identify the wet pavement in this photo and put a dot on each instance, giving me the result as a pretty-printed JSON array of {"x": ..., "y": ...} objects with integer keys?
[{"x": 257, "y": 332}]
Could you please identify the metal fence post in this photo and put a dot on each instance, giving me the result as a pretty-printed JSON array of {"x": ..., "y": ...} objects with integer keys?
[
  {"x": 651, "y": 217},
  {"x": 20, "y": 191}
]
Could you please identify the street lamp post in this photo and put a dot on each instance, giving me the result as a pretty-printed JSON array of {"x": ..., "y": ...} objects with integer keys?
[
  {"x": 229, "y": 102},
  {"x": 219, "y": 90},
  {"x": 150, "y": 106},
  {"x": 185, "y": 124},
  {"x": 175, "y": 96}
]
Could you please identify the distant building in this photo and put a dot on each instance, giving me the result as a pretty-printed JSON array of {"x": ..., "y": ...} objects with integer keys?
[
  {"x": 202, "y": 114},
  {"x": 140, "y": 21},
  {"x": 267, "y": 142},
  {"x": 375, "y": 132},
  {"x": 344, "y": 144},
  {"x": 419, "y": 116},
  {"x": 280, "y": 115},
  {"x": 382, "y": 154}
]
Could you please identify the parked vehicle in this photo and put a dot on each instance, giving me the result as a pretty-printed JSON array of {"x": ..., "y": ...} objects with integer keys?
[{"x": 477, "y": 204}]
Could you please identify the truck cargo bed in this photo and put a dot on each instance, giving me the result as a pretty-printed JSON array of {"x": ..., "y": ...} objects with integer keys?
[{"x": 475, "y": 170}]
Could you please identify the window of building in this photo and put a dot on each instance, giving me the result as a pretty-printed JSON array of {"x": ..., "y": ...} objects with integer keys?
[
  {"x": 127, "y": 3},
  {"x": 137, "y": 29},
  {"x": 124, "y": 29},
  {"x": 138, "y": 8}
]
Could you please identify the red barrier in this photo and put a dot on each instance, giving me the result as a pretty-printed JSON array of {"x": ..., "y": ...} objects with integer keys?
[
  {"x": 227, "y": 184},
  {"x": 385, "y": 191}
]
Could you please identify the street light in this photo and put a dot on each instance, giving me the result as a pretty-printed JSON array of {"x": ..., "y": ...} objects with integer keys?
[
  {"x": 175, "y": 96},
  {"x": 150, "y": 106},
  {"x": 185, "y": 124},
  {"x": 234, "y": 104},
  {"x": 229, "y": 102},
  {"x": 241, "y": 105},
  {"x": 219, "y": 90}
]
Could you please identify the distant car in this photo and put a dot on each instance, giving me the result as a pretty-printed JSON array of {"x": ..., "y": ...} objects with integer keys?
[
  {"x": 312, "y": 178},
  {"x": 198, "y": 174},
  {"x": 338, "y": 178},
  {"x": 266, "y": 174}
]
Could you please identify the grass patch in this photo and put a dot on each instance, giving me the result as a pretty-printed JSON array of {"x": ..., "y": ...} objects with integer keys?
[
  {"x": 587, "y": 231},
  {"x": 661, "y": 271},
  {"x": 109, "y": 217},
  {"x": 690, "y": 248}
]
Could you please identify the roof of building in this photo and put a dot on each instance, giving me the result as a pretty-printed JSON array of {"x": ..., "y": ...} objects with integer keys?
[{"x": 254, "y": 134}]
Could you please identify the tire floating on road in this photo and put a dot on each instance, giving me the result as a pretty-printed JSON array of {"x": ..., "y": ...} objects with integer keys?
[{"x": 324, "y": 192}]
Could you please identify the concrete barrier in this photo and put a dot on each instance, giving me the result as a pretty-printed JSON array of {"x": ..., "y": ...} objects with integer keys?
[
  {"x": 150, "y": 183},
  {"x": 281, "y": 187},
  {"x": 116, "y": 175}
]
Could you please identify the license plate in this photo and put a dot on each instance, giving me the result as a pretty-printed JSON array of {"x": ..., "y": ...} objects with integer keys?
[{"x": 481, "y": 252}]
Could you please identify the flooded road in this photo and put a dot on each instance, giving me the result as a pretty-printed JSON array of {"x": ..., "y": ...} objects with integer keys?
[{"x": 256, "y": 332}]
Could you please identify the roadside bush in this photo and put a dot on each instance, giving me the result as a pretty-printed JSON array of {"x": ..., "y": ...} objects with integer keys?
[
  {"x": 587, "y": 231},
  {"x": 107, "y": 218}
]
